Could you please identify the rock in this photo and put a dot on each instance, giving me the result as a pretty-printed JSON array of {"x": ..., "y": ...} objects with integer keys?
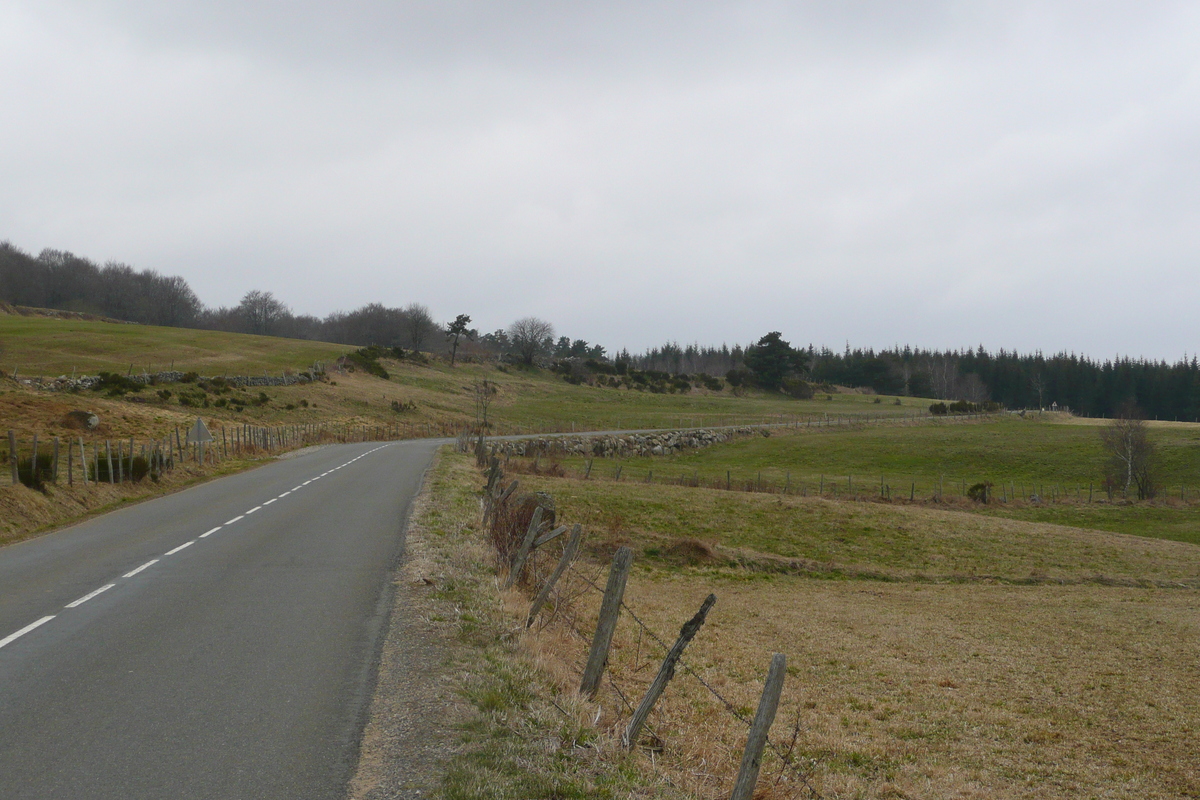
[{"x": 83, "y": 420}]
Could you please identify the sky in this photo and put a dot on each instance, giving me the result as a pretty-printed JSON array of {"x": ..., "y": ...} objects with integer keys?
[{"x": 1021, "y": 175}]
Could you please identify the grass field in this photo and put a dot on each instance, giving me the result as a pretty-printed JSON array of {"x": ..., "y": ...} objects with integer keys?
[
  {"x": 42, "y": 346},
  {"x": 527, "y": 400},
  {"x": 1053, "y": 456},
  {"x": 931, "y": 653}
]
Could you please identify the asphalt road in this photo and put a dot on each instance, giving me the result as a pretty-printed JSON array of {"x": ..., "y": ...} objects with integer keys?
[{"x": 215, "y": 643}]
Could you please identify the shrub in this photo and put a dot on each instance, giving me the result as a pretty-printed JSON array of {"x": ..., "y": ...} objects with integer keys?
[
  {"x": 190, "y": 377},
  {"x": 39, "y": 477},
  {"x": 937, "y": 409},
  {"x": 979, "y": 492},
  {"x": 797, "y": 388},
  {"x": 164, "y": 394},
  {"x": 116, "y": 385},
  {"x": 368, "y": 359},
  {"x": 133, "y": 468}
]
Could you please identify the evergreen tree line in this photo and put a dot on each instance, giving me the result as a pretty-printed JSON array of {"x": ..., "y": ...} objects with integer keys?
[{"x": 1160, "y": 389}]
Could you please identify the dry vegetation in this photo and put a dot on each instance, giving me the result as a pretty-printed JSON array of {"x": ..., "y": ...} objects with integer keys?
[{"x": 913, "y": 679}]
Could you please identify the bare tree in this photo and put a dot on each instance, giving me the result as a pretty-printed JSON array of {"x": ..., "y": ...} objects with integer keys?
[
  {"x": 485, "y": 392},
  {"x": 261, "y": 311},
  {"x": 1131, "y": 454},
  {"x": 419, "y": 324},
  {"x": 531, "y": 336},
  {"x": 1038, "y": 382}
]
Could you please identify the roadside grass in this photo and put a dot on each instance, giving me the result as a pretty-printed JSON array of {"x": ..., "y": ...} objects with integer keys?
[{"x": 521, "y": 737}]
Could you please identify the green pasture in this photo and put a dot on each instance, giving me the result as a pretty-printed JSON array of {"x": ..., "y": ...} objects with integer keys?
[
  {"x": 896, "y": 542},
  {"x": 1055, "y": 459},
  {"x": 545, "y": 401},
  {"x": 46, "y": 347}
]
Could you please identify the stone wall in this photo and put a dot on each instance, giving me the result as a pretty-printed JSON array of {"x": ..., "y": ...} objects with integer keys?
[
  {"x": 64, "y": 384},
  {"x": 621, "y": 445}
]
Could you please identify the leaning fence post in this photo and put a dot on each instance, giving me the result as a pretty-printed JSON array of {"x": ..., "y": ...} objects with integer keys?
[
  {"x": 567, "y": 557},
  {"x": 518, "y": 562},
  {"x": 610, "y": 608},
  {"x": 666, "y": 671},
  {"x": 12, "y": 455},
  {"x": 747, "y": 777}
]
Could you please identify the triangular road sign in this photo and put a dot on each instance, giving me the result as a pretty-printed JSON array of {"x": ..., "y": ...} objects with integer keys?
[{"x": 199, "y": 433}]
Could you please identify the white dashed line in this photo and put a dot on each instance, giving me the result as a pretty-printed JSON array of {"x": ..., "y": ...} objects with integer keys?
[
  {"x": 251, "y": 511},
  {"x": 285, "y": 494},
  {"x": 87, "y": 597},
  {"x": 306, "y": 483},
  {"x": 235, "y": 519},
  {"x": 206, "y": 534},
  {"x": 272, "y": 500},
  {"x": 139, "y": 569},
  {"x": 25, "y": 630},
  {"x": 177, "y": 549}
]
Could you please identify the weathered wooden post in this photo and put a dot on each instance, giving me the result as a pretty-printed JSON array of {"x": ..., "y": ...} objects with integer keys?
[
  {"x": 108, "y": 457},
  {"x": 54, "y": 467},
  {"x": 518, "y": 562},
  {"x": 569, "y": 553},
  {"x": 747, "y": 777},
  {"x": 666, "y": 671},
  {"x": 12, "y": 456},
  {"x": 606, "y": 626},
  {"x": 83, "y": 461},
  {"x": 33, "y": 469}
]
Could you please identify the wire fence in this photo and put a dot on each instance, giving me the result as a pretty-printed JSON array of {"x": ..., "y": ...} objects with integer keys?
[{"x": 515, "y": 525}]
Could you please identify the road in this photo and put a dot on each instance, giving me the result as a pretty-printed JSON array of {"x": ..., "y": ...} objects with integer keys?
[{"x": 219, "y": 642}]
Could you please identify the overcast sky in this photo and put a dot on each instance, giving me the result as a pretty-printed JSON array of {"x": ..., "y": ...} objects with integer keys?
[{"x": 1021, "y": 175}]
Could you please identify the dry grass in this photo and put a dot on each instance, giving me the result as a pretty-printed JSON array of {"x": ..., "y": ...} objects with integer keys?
[
  {"x": 924, "y": 691},
  {"x": 902, "y": 688}
]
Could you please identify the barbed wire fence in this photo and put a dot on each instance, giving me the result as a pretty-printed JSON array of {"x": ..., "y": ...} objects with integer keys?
[{"x": 518, "y": 525}]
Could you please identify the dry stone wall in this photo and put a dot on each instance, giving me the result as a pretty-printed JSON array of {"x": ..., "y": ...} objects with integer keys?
[{"x": 659, "y": 443}]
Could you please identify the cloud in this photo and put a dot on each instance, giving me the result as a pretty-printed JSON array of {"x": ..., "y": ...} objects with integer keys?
[{"x": 1020, "y": 175}]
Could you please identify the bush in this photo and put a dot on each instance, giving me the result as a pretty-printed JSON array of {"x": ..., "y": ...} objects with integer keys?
[
  {"x": 36, "y": 478},
  {"x": 937, "y": 409},
  {"x": 797, "y": 388},
  {"x": 116, "y": 385},
  {"x": 190, "y": 377},
  {"x": 368, "y": 359},
  {"x": 980, "y": 492},
  {"x": 133, "y": 468}
]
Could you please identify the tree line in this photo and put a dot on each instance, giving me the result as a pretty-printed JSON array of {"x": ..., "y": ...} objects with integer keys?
[
  {"x": 1161, "y": 389},
  {"x": 61, "y": 280}
]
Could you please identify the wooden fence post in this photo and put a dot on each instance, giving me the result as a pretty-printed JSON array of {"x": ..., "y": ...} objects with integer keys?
[
  {"x": 666, "y": 671},
  {"x": 54, "y": 469},
  {"x": 568, "y": 556},
  {"x": 33, "y": 469},
  {"x": 747, "y": 777},
  {"x": 606, "y": 626},
  {"x": 518, "y": 562},
  {"x": 108, "y": 456},
  {"x": 12, "y": 456},
  {"x": 83, "y": 461}
]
